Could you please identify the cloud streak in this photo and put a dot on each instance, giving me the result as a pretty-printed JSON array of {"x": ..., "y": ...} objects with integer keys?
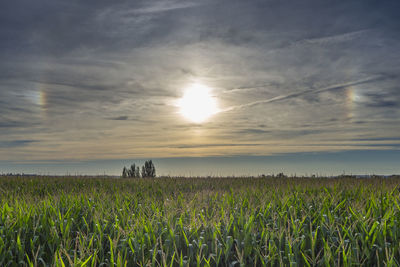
[
  {"x": 303, "y": 92},
  {"x": 16, "y": 143},
  {"x": 343, "y": 37}
]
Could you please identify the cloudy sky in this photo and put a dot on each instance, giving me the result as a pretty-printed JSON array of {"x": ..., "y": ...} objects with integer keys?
[{"x": 85, "y": 84}]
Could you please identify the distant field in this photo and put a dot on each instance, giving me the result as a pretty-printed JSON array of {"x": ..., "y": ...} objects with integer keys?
[{"x": 199, "y": 222}]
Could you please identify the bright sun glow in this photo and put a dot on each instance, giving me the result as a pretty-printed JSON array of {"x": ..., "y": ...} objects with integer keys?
[{"x": 197, "y": 103}]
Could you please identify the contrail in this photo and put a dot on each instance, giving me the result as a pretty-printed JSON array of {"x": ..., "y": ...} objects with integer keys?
[{"x": 300, "y": 93}]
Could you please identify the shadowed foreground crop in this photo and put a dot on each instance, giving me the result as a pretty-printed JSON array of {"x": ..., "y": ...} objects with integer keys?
[{"x": 199, "y": 222}]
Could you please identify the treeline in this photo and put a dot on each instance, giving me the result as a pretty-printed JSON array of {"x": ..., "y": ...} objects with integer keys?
[{"x": 148, "y": 171}]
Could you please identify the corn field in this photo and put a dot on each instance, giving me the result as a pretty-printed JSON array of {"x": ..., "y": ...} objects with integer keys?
[{"x": 199, "y": 222}]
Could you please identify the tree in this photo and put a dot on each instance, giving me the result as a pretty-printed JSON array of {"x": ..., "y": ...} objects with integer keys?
[
  {"x": 137, "y": 172},
  {"x": 143, "y": 172},
  {"x": 132, "y": 171},
  {"x": 148, "y": 170},
  {"x": 124, "y": 172}
]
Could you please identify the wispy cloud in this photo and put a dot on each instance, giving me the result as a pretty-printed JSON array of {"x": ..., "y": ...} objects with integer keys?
[
  {"x": 303, "y": 92},
  {"x": 163, "y": 6},
  {"x": 342, "y": 37},
  {"x": 119, "y": 118},
  {"x": 16, "y": 143},
  {"x": 215, "y": 145}
]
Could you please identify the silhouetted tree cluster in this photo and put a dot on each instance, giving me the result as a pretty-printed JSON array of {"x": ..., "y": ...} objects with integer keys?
[
  {"x": 281, "y": 175},
  {"x": 148, "y": 171}
]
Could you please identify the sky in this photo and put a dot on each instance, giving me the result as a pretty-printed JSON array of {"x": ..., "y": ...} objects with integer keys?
[{"x": 297, "y": 86}]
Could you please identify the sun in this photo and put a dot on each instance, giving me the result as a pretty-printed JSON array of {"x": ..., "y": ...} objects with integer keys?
[{"x": 198, "y": 104}]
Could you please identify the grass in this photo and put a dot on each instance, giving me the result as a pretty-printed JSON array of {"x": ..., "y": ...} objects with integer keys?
[{"x": 199, "y": 222}]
